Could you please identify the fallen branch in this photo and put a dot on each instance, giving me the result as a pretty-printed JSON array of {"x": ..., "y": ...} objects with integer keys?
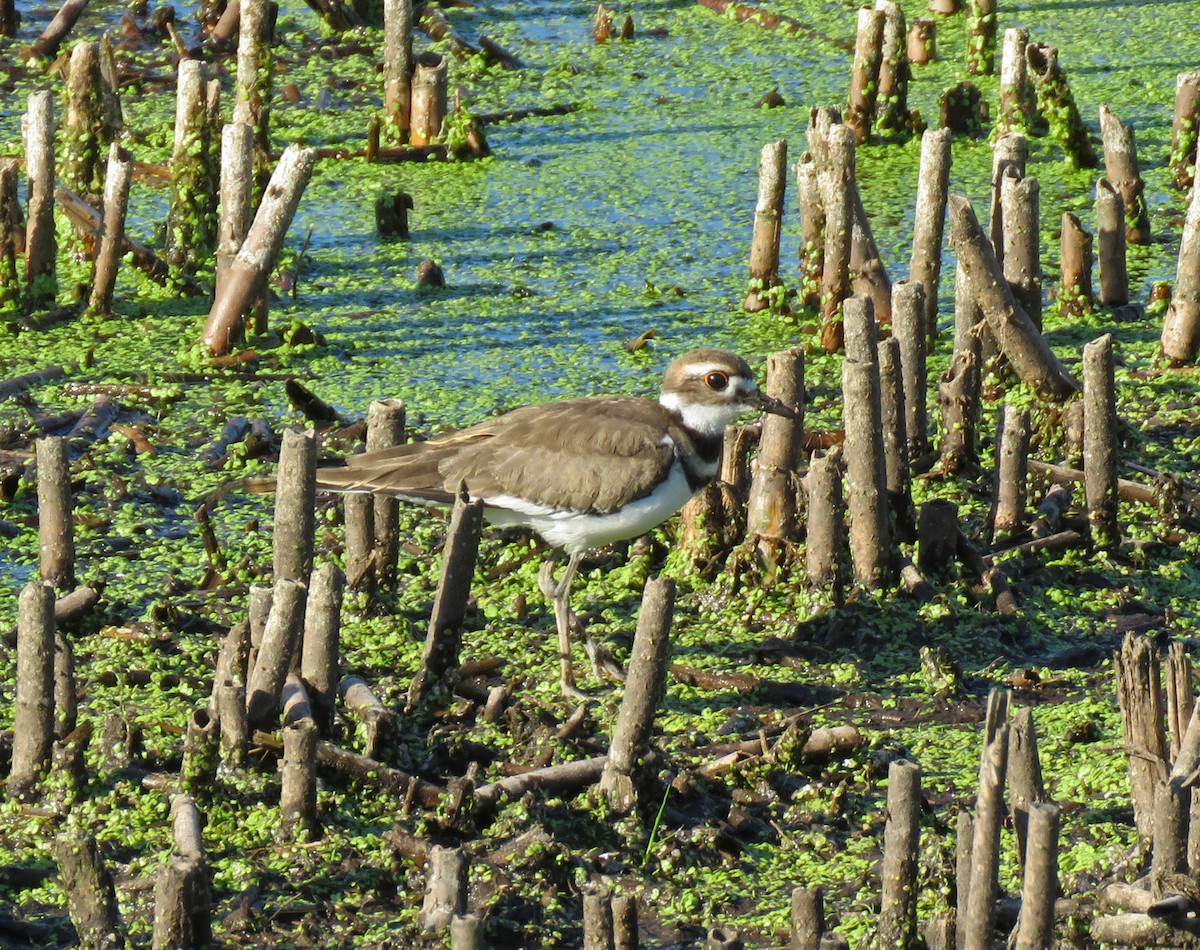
[
  {"x": 747, "y": 13},
  {"x": 557, "y": 779},
  {"x": 18, "y": 384}
]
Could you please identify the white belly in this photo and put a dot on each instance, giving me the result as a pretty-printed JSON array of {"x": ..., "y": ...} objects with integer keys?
[{"x": 576, "y": 531}]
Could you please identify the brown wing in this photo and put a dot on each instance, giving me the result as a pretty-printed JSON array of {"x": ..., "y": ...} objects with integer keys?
[{"x": 591, "y": 454}]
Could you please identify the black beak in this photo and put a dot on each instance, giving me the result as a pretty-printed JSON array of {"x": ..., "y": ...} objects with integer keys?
[{"x": 769, "y": 404}]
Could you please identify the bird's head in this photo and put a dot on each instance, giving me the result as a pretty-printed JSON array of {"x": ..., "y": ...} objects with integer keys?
[{"x": 711, "y": 388}]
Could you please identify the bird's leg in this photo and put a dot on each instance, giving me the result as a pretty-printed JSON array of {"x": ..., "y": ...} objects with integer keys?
[{"x": 559, "y": 595}]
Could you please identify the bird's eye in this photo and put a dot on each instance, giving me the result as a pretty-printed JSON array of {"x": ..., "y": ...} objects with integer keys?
[{"x": 717, "y": 381}]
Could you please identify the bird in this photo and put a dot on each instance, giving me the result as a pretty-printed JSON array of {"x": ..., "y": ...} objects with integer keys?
[{"x": 582, "y": 472}]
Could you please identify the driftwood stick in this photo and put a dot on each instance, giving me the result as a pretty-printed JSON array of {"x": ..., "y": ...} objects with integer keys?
[
  {"x": 1181, "y": 326},
  {"x": 1110, "y": 236},
  {"x": 443, "y": 639},
  {"x": 767, "y": 20},
  {"x": 33, "y": 715},
  {"x": 363, "y": 705},
  {"x": 933, "y": 182},
  {"x": 1014, "y": 331},
  {"x": 555, "y": 779},
  {"x": 644, "y": 690},
  {"x": 248, "y": 273},
  {"x": 47, "y": 44},
  {"x": 1101, "y": 442},
  {"x": 1142, "y": 930}
]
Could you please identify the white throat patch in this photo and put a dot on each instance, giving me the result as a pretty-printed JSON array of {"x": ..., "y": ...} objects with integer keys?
[{"x": 705, "y": 420}]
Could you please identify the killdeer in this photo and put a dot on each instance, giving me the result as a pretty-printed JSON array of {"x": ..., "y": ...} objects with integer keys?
[{"x": 582, "y": 473}]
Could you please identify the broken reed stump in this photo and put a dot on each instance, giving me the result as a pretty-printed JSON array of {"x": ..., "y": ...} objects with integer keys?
[
  {"x": 191, "y": 218},
  {"x": 1181, "y": 326},
  {"x": 41, "y": 246},
  {"x": 358, "y": 514},
  {"x": 1018, "y": 102},
  {"x": 1075, "y": 268},
  {"x": 466, "y": 932},
  {"x": 980, "y": 909},
  {"x": 280, "y": 639},
  {"x": 933, "y": 182},
  {"x": 1185, "y": 129},
  {"x": 66, "y": 699},
  {"x": 908, "y": 329},
  {"x": 768, "y": 225},
  {"x": 1140, "y": 695},
  {"x": 33, "y": 714},
  {"x": 837, "y": 184},
  {"x": 812, "y": 230},
  {"x": 824, "y": 529},
  {"x": 386, "y": 421},
  {"x": 866, "y": 485},
  {"x": 298, "y": 780},
  {"x": 895, "y": 441},
  {"x": 625, "y": 922},
  {"x": 1180, "y": 699},
  {"x": 236, "y": 189},
  {"x": 1035, "y": 926},
  {"x": 228, "y": 699},
  {"x": 774, "y": 490},
  {"x": 247, "y": 275},
  {"x": 1010, "y": 492},
  {"x": 1101, "y": 442},
  {"x": 363, "y": 706},
  {"x": 645, "y": 686},
  {"x": 958, "y": 398},
  {"x": 1015, "y": 332},
  {"x": 1172, "y": 814},
  {"x": 200, "y": 754},
  {"x": 807, "y": 918},
  {"x": 1121, "y": 169},
  {"x": 295, "y": 507},
  {"x": 597, "y": 920},
  {"x": 864, "y": 75},
  {"x": 937, "y": 536},
  {"x": 428, "y": 110},
  {"x": 182, "y": 904},
  {"x": 892, "y": 115},
  {"x": 85, "y": 136},
  {"x": 1057, "y": 104},
  {"x": 56, "y": 511},
  {"x": 319, "y": 650},
  {"x": 921, "y": 44},
  {"x": 252, "y": 85},
  {"x": 1010, "y": 153},
  {"x": 46, "y": 46},
  {"x": 901, "y": 839},
  {"x": 1020, "y": 208},
  {"x": 1025, "y": 784},
  {"x": 445, "y": 888},
  {"x": 12, "y": 233},
  {"x": 1110, "y": 239},
  {"x": 981, "y": 37},
  {"x": 91, "y": 895},
  {"x": 397, "y": 66},
  {"x": 112, "y": 229},
  {"x": 443, "y": 639}
]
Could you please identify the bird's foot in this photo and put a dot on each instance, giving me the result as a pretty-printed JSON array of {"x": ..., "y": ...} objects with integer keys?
[{"x": 603, "y": 665}]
